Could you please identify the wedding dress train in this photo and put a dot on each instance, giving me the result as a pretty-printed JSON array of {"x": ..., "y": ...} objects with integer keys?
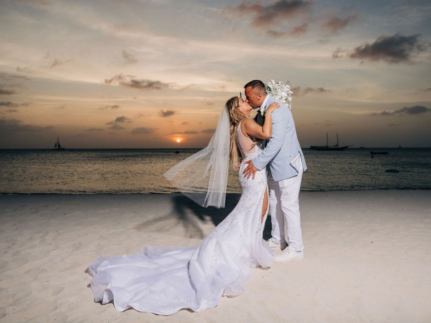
[{"x": 166, "y": 280}]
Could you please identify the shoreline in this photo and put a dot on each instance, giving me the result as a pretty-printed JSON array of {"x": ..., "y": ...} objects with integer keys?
[
  {"x": 173, "y": 193},
  {"x": 367, "y": 256}
]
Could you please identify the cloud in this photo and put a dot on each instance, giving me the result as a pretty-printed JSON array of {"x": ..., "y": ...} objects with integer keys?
[
  {"x": 12, "y": 110},
  {"x": 208, "y": 131},
  {"x": 110, "y": 107},
  {"x": 95, "y": 129},
  {"x": 427, "y": 90},
  {"x": 128, "y": 57},
  {"x": 209, "y": 103},
  {"x": 9, "y": 104},
  {"x": 275, "y": 34},
  {"x": 389, "y": 49},
  {"x": 6, "y": 92},
  {"x": 185, "y": 123},
  {"x": 338, "y": 53},
  {"x": 299, "y": 30},
  {"x": 14, "y": 126},
  {"x": 335, "y": 24},
  {"x": 10, "y": 77},
  {"x": 35, "y": 2},
  {"x": 120, "y": 120},
  {"x": 272, "y": 13},
  {"x": 24, "y": 69},
  {"x": 299, "y": 91},
  {"x": 116, "y": 123},
  {"x": 131, "y": 82},
  {"x": 167, "y": 113},
  {"x": 185, "y": 133},
  {"x": 57, "y": 62},
  {"x": 143, "y": 131},
  {"x": 414, "y": 110}
]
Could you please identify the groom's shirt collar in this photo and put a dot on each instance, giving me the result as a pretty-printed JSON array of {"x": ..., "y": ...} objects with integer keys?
[{"x": 265, "y": 102}]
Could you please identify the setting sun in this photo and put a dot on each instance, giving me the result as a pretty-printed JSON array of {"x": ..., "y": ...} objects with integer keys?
[{"x": 178, "y": 140}]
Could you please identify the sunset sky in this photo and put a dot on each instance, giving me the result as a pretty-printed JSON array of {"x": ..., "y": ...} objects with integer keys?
[{"x": 145, "y": 74}]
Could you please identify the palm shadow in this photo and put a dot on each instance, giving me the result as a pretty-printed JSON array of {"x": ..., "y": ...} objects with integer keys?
[{"x": 190, "y": 215}]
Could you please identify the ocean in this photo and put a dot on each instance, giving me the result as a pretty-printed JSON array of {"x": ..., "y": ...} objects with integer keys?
[{"x": 129, "y": 171}]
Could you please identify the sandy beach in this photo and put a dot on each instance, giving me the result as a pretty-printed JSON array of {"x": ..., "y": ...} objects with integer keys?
[{"x": 367, "y": 257}]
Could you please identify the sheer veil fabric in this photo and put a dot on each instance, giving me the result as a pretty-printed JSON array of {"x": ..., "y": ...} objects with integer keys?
[
  {"x": 164, "y": 280},
  {"x": 203, "y": 176}
]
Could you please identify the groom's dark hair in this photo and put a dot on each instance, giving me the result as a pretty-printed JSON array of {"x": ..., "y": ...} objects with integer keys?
[{"x": 256, "y": 84}]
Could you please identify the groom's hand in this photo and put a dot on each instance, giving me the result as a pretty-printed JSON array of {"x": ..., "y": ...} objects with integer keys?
[{"x": 250, "y": 169}]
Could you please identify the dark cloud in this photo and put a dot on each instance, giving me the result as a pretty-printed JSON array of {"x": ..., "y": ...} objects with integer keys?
[
  {"x": 299, "y": 30},
  {"x": 128, "y": 57},
  {"x": 208, "y": 131},
  {"x": 167, "y": 113},
  {"x": 390, "y": 49},
  {"x": 414, "y": 110},
  {"x": 428, "y": 89},
  {"x": 116, "y": 124},
  {"x": 6, "y": 92},
  {"x": 338, "y": 53},
  {"x": 95, "y": 129},
  {"x": 56, "y": 62},
  {"x": 275, "y": 33},
  {"x": 335, "y": 24},
  {"x": 300, "y": 91},
  {"x": 9, "y": 104},
  {"x": 272, "y": 13},
  {"x": 185, "y": 133},
  {"x": 121, "y": 119},
  {"x": 143, "y": 131},
  {"x": 10, "y": 126},
  {"x": 185, "y": 123},
  {"x": 12, "y": 110},
  {"x": 131, "y": 82},
  {"x": 10, "y": 77},
  {"x": 110, "y": 107}
]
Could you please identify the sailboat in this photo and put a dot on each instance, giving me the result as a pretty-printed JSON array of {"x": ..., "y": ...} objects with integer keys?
[
  {"x": 327, "y": 147},
  {"x": 57, "y": 145}
]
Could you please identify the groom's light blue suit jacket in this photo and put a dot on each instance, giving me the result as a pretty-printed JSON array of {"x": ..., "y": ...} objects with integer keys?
[{"x": 282, "y": 147}]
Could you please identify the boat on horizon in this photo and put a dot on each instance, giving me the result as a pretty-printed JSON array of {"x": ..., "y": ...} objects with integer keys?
[
  {"x": 330, "y": 148},
  {"x": 57, "y": 145}
]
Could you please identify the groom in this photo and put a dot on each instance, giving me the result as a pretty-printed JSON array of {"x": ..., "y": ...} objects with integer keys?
[{"x": 283, "y": 156}]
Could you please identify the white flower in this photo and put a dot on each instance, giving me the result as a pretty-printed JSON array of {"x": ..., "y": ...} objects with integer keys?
[{"x": 280, "y": 91}]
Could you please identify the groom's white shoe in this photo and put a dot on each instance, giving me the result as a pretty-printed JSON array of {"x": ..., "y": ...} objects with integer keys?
[
  {"x": 274, "y": 245},
  {"x": 289, "y": 254}
]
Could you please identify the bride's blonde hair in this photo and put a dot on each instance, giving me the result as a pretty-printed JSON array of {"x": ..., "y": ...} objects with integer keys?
[{"x": 235, "y": 117}]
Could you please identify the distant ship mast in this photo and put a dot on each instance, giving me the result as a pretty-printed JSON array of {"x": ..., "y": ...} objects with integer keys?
[{"x": 57, "y": 145}]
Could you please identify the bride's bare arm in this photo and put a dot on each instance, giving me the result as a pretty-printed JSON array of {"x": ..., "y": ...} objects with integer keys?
[{"x": 262, "y": 132}]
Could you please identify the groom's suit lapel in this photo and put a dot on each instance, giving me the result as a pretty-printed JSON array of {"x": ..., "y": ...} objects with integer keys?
[{"x": 267, "y": 103}]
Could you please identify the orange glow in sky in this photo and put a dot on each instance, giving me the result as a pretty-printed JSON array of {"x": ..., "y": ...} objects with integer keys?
[{"x": 178, "y": 139}]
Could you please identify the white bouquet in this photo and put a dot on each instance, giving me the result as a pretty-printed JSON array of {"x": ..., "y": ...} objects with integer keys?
[{"x": 281, "y": 92}]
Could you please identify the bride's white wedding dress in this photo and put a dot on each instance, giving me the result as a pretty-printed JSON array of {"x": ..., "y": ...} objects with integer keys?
[{"x": 166, "y": 280}]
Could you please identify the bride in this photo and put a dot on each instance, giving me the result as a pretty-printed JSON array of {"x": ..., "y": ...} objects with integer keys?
[{"x": 166, "y": 280}]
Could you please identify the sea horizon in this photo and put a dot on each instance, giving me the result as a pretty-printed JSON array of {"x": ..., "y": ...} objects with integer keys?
[{"x": 140, "y": 170}]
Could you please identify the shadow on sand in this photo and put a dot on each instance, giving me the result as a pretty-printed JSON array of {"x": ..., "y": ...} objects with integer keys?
[{"x": 189, "y": 215}]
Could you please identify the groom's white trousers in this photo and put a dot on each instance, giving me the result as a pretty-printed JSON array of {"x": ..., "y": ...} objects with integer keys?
[{"x": 284, "y": 208}]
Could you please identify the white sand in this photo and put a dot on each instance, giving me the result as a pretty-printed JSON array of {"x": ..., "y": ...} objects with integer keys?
[{"x": 367, "y": 257}]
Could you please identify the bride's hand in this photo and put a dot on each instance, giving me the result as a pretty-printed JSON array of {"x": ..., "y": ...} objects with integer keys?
[{"x": 272, "y": 107}]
